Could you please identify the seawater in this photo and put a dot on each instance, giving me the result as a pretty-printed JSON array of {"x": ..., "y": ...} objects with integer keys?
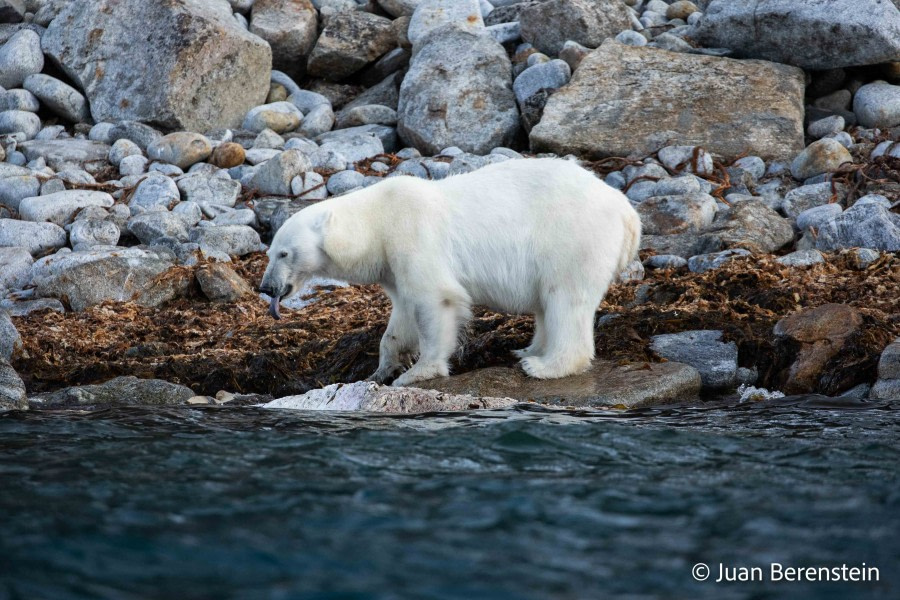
[{"x": 524, "y": 503}]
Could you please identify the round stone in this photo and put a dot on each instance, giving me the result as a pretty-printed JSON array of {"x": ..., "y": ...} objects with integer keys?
[
  {"x": 877, "y": 105},
  {"x": 181, "y": 149},
  {"x": 20, "y": 57},
  {"x": 823, "y": 156},
  {"x": 61, "y": 98},
  {"x": 20, "y": 121},
  {"x": 228, "y": 155}
]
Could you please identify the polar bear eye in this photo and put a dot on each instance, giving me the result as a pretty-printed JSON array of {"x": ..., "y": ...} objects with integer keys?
[{"x": 282, "y": 255}]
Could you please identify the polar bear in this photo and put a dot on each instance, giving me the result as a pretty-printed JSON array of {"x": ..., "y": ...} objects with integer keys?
[{"x": 538, "y": 236}]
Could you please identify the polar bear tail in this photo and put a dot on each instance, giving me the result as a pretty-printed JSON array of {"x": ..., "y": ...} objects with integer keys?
[{"x": 632, "y": 240}]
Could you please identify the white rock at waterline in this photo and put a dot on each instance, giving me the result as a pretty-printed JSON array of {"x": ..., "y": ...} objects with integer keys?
[{"x": 365, "y": 396}]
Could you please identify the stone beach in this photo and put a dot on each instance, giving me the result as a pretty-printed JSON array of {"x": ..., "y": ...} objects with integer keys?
[{"x": 149, "y": 150}]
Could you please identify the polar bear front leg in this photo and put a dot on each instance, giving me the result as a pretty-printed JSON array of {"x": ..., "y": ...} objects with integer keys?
[
  {"x": 536, "y": 347},
  {"x": 438, "y": 323},
  {"x": 399, "y": 337}
]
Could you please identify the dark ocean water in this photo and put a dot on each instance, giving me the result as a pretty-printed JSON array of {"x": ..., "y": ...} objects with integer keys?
[{"x": 249, "y": 503}]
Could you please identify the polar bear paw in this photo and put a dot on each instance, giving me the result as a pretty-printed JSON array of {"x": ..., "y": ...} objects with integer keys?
[
  {"x": 540, "y": 368},
  {"x": 420, "y": 372}
]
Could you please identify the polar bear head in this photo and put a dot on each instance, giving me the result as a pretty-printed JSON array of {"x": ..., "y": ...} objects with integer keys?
[{"x": 296, "y": 254}]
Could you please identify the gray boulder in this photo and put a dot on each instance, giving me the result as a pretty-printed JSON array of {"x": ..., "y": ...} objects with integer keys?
[
  {"x": 705, "y": 351},
  {"x": 155, "y": 191},
  {"x": 212, "y": 190},
  {"x": 458, "y": 92},
  {"x": 348, "y": 42},
  {"x": 290, "y": 28},
  {"x": 87, "y": 233},
  {"x": 868, "y": 225},
  {"x": 549, "y": 25},
  {"x": 753, "y": 226},
  {"x": 191, "y": 67},
  {"x": 877, "y": 105},
  {"x": 813, "y": 34},
  {"x": 625, "y": 100},
  {"x": 94, "y": 276},
  {"x": 20, "y": 121},
  {"x": 10, "y": 340},
  {"x": 14, "y": 189}
]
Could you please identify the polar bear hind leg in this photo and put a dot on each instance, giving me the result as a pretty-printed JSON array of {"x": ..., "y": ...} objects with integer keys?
[{"x": 568, "y": 348}]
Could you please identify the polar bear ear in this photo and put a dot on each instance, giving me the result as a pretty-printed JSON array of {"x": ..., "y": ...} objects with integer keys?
[{"x": 323, "y": 221}]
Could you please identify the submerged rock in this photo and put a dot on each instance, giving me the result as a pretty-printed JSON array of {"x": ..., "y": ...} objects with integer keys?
[
  {"x": 365, "y": 396},
  {"x": 705, "y": 351},
  {"x": 606, "y": 384},
  {"x": 121, "y": 391}
]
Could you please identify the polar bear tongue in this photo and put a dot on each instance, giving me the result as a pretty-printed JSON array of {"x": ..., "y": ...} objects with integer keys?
[{"x": 274, "y": 308}]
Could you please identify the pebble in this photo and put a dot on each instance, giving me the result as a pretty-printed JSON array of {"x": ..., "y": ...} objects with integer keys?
[
  {"x": 877, "y": 105},
  {"x": 60, "y": 98},
  {"x": 87, "y": 233},
  {"x": 155, "y": 191},
  {"x": 122, "y": 148},
  {"x": 706, "y": 262},
  {"x": 816, "y": 216},
  {"x": 367, "y": 114},
  {"x": 14, "y": 189},
  {"x": 275, "y": 175},
  {"x": 268, "y": 139},
  {"x": 550, "y": 75},
  {"x": 867, "y": 225},
  {"x": 673, "y": 156},
  {"x": 165, "y": 169},
  {"x": 354, "y": 148},
  {"x": 233, "y": 240},
  {"x": 214, "y": 190},
  {"x": 13, "y": 121},
  {"x": 874, "y": 199},
  {"x": 134, "y": 164},
  {"x": 823, "y": 156},
  {"x": 15, "y": 268},
  {"x": 309, "y": 186},
  {"x": 807, "y": 196},
  {"x": 150, "y": 227},
  {"x": 190, "y": 212},
  {"x": 182, "y": 149},
  {"x": 20, "y": 57},
  {"x": 277, "y": 116},
  {"x": 139, "y": 133},
  {"x": 825, "y": 127},
  {"x": 228, "y": 155},
  {"x": 629, "y": 37},
  {"x": 344, "y": 181},
  {"x": 665, "y": 261},
  {"x": 682, "y": 9},
  {"x": 802, "y": 258}
]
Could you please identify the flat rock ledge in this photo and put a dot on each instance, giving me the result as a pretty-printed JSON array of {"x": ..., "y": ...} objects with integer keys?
[
  {"x": 366, "y": 396},
  {"x": 605, "y": 385}
]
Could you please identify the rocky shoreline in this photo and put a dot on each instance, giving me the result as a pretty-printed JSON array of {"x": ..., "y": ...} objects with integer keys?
[{"x": 149, "y": 151}]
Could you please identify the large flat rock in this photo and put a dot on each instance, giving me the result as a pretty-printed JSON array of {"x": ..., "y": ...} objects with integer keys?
[
  {"x": 65, "y": 152},
  {"x": 625, "y": 100},
  {"x": 606, "y": 384},
  {"x": 180, "y": 64}
]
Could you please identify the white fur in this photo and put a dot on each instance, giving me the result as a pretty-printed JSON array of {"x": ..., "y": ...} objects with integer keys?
[{"x": 542, "y": 236}]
